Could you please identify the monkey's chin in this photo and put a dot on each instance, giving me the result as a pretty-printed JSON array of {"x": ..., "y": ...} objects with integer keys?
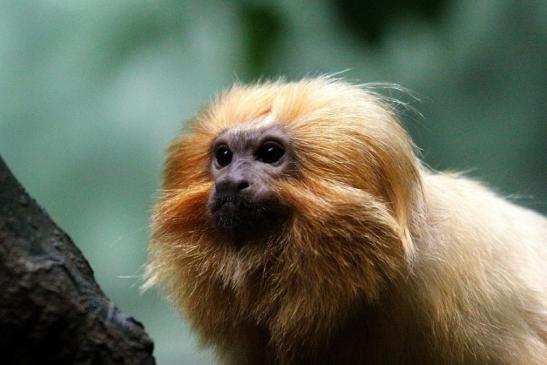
[{"x": 243, "y": 223}]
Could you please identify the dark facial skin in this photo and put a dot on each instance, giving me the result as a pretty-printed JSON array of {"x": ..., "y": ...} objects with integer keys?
[{"x": 243, "y": 164}]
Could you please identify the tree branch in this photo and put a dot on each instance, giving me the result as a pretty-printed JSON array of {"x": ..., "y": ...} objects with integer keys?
[{"x": 51, "y": 308}]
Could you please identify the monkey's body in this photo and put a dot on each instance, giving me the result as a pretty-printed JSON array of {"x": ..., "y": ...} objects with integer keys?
[
  {"x": 349, "y": 252},
  {"x": 475, "y": 292}
]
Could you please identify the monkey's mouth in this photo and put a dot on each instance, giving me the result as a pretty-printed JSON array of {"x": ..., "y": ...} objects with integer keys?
[
  {"x": 246, "y": 219},
  {"x": 229, "y": 214}
]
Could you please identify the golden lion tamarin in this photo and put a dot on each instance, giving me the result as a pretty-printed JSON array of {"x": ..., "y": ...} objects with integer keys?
[{"x": 297, "y": 226}]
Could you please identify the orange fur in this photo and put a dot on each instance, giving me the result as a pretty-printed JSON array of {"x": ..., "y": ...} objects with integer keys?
[{"x": 382, "y": 262}]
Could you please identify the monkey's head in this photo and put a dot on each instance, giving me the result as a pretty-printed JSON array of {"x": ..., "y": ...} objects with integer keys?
[
  {"x": 284, "y": 207},
  {"x": 245, "y": 163}
]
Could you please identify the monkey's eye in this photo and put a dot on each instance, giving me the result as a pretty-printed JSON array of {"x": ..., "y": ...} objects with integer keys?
[
  {"x": 223, "y": 155},
  {"x": 270, "y": 152}
]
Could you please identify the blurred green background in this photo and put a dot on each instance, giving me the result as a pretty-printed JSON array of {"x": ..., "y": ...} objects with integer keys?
[{"x": 92, "y": 92}]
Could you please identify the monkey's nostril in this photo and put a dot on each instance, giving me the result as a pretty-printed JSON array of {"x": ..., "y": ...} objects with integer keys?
[{"x": 243, "y": 185}]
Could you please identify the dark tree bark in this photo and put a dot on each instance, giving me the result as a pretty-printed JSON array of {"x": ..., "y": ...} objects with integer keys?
[{"x": 51, "y": 309}]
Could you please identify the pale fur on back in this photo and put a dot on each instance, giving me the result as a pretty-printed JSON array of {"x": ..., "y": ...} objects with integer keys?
[
  {"x": 481, "y": 272},
  {"x": 383, "y": 261}
]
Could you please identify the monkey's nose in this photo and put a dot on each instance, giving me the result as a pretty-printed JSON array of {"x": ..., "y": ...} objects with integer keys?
[
  {"x": 232, "y": 185},
  {"x": 242, "y": 185}
]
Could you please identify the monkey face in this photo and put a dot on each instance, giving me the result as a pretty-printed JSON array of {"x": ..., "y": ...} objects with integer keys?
[{"x": 244, "y": 163}]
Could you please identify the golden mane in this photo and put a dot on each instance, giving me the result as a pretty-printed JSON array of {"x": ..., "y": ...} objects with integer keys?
[{"x": 346, "y": 221}]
